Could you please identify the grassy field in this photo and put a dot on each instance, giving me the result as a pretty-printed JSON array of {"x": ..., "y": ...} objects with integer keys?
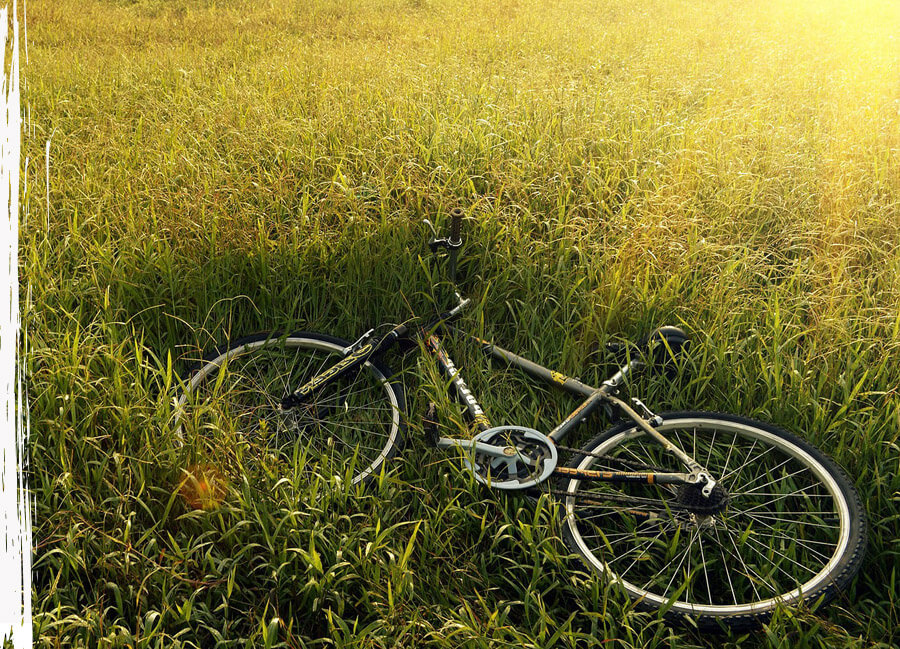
[{"x": 221, "y": 167}]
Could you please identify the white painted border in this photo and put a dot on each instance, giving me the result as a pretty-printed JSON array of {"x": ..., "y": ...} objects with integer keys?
[{"x": 15, "y": 509}]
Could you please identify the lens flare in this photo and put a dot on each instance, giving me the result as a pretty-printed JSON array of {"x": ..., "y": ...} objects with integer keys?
[{"x": 202, "y": 487}]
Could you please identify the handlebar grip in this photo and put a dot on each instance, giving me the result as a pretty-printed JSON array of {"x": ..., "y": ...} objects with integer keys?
[{"x": 456, "y": 215}]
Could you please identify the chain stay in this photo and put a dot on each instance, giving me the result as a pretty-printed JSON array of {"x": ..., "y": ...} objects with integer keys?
[{"x": 588, "y": 500}]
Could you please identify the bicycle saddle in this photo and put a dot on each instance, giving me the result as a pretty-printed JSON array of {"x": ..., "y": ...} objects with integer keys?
[{"x": 654, "y": 347}]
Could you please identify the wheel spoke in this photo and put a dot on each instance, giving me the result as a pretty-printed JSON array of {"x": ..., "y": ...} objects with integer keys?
[
  {"x": 780, "y": 497},
  {"x": 804, "y": 544},
  {"x": 772, "y": 529},
  {"x": 792, "y": 521},
  {"x": 776, "y": 467},
  {"x": 684, "y": 555},
  {"x": 712, "y": 444},
  {"x": 648, "y": 545},
  {"x": 749, "y": 574},
  {"x": 352, "y": 420},
  {"x": 725, "y": 567},
  {"x": 705, "y": 573}
]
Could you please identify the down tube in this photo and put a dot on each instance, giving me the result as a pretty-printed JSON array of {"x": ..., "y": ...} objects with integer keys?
[{"x": 476, "y": 414}]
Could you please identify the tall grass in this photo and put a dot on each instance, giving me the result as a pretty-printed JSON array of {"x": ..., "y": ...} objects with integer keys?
[{"x": 219, "y": 168}]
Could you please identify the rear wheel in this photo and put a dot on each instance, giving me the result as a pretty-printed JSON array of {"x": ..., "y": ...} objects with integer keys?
[
  {"x": 784, "y": 525},
  {"x": 351, "y": 426}
]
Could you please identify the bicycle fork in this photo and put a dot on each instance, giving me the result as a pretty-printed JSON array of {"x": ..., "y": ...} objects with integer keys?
[{"x": 357, "y": 354}]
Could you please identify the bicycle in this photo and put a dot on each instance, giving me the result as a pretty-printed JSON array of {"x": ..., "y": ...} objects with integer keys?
[{"x": 708, "y": 515}]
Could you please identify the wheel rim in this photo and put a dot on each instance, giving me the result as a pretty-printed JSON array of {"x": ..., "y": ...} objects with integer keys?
[
  {"x": 785, "y": 529},
  {"x": 239, "y": 393}
]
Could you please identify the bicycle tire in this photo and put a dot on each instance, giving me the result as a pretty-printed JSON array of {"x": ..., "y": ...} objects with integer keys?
[
  {"x": 236, "y": 391},
  {"x": 770, "y": 544}
]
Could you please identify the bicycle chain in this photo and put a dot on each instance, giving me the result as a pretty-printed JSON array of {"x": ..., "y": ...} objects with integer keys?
[
  {"x": 607, "y": 498},
  {"x": 631, "y": 503},
  {"x": 633, "y": 464}
]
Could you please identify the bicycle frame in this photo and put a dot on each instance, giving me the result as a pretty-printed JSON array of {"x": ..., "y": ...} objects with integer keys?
[
  {"x": 594, "y": 398},
  {"x": 782, "y": 525}
]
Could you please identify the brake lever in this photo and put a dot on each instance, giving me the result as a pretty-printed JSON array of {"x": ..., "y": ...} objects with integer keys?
[{"x": 436, "y": 244}]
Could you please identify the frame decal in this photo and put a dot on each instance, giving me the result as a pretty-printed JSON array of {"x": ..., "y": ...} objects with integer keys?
[
  {"x": 479, "y": 419},
  {"x": 331, "y": 372}
]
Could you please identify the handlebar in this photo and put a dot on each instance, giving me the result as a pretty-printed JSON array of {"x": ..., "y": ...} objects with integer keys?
[
  {"x": 453, "y": 243},
  {"x": 660, "y": 347},
  {"x": 456, "y": 215}
]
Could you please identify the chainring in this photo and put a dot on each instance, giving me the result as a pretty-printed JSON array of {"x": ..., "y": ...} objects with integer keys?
[{"x": 531, "y": 458}]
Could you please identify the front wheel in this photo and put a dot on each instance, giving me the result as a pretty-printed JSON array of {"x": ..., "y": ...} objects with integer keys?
[
  {"x": 233, "y": 399},
  {"x": 784, "y": 526}
]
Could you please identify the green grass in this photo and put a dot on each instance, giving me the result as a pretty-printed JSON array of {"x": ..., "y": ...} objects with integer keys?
[{"x": 219, "y": 169}]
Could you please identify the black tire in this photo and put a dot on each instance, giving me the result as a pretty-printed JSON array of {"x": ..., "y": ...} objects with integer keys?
[
  {"x": 233, "y": 397},
  {"x": 791, "y": 528}
]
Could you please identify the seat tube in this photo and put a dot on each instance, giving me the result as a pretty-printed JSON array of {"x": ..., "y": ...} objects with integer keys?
[{"x": 578, "y": 416}]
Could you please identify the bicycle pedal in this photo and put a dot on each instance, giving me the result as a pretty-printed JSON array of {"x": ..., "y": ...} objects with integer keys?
[{"x": 429, "y": 424}]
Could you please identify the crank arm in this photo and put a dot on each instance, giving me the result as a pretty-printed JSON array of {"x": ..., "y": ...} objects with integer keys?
[{"x": 490, "y": 450}]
